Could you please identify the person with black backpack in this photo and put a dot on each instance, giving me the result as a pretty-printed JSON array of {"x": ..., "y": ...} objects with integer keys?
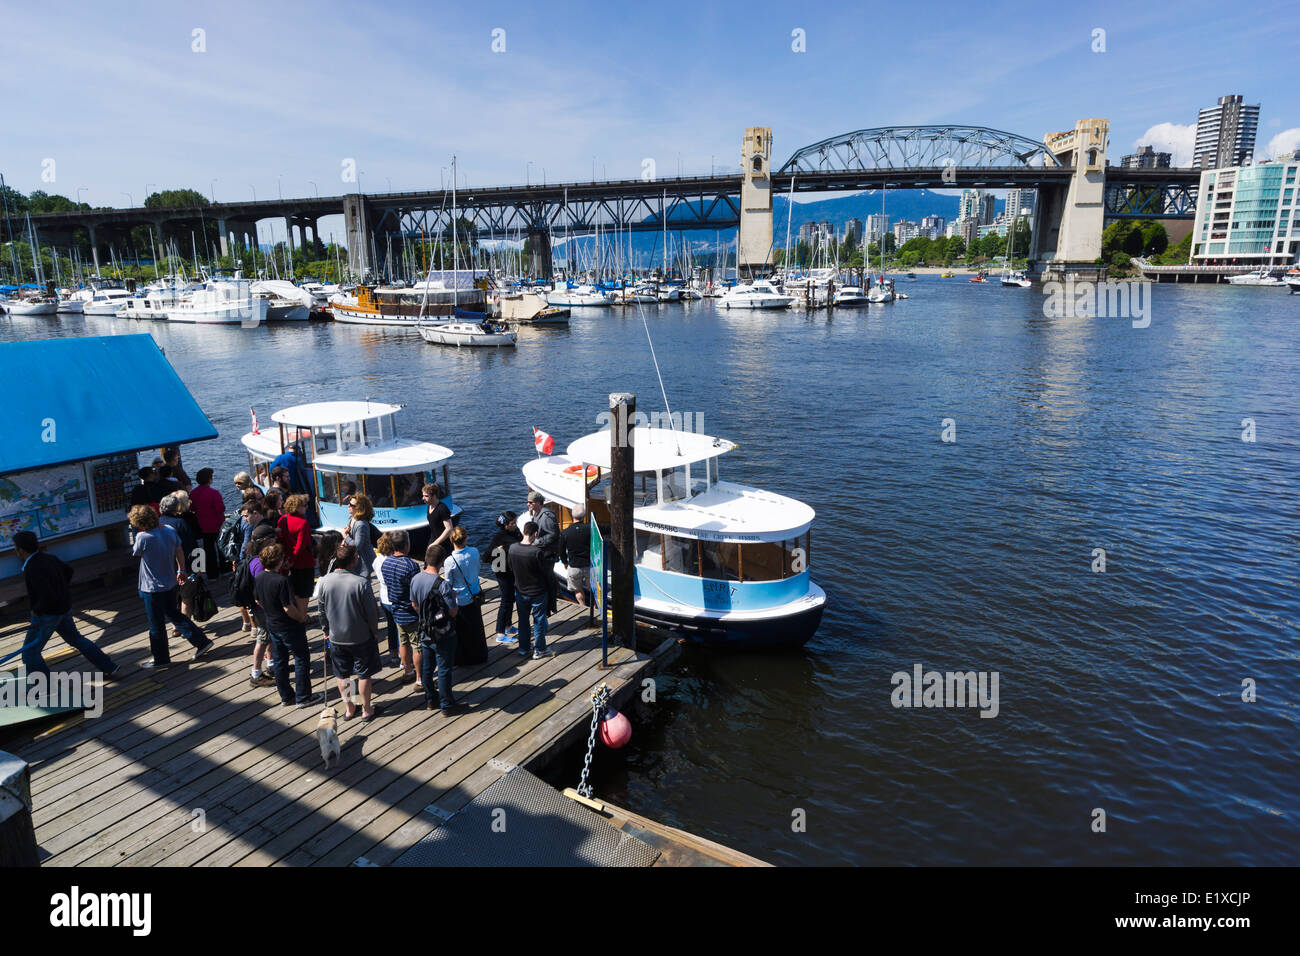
[{"x": 434, "y": 600}]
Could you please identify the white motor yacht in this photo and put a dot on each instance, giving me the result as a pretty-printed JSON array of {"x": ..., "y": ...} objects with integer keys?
[
  {"x": 105, "y": 302},
  {"x": 1261, "y": 276},
  {"x": 582, "y": 295},
  {"x": 850, "y": 296},
  {"x": 221, "y": 302},
  {"x": 759, "y": 294}
]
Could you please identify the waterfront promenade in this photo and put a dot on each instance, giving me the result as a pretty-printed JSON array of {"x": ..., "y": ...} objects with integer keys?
[{"x": 192, "y": 766}]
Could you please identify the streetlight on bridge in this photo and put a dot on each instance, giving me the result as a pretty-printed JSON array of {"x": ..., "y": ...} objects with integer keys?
[
  {"x": 130, "y": 199},
  {"x": 254, "y": 189},
  {"x": 527, "y": 171},
  {"x": 278, "y": 189},
  {"x": 212, "y": 187},
  {"x": 313, "y": 186},
  {"x": 80, "y": 190}
]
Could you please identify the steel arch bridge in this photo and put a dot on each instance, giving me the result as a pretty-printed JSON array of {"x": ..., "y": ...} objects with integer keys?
[{"x": 919, "y": 147}]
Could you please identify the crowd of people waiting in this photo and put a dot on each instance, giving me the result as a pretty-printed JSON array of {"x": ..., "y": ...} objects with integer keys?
[{"x": 277, "y": 565}]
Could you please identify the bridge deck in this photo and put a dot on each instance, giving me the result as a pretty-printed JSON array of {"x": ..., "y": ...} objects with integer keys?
[{"x": 192, "y": 766}]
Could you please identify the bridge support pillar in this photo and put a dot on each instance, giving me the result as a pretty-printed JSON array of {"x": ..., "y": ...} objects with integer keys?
[
  {"x": 1075, "y": 215},
  {"x": 223, "y": 233},
  {"x": 754, "y": 237},
  {"x": 539, "y": 244},
  {"x": 355, "y": 221}
]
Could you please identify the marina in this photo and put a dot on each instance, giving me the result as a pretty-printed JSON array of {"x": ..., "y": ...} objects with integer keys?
[
  {"x": 591, "y": 438},
  {"x": 899, "y": 593}
]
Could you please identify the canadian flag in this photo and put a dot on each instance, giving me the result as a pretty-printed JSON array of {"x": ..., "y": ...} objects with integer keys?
[
  {"x": 254, "y": 414},
  {"x": 543, "y": 442}
]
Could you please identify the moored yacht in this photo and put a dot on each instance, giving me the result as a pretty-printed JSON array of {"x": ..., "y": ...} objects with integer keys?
[
  {"x": 582, "y": 295},
  {"x": 759, "y": 294},
  {"x": 484, "y": 334},
  {"x": 358, "y": 444},
  {"x": 1261, "y": 276},
  {"x": 716, "y": 562},
  {"x": 285, "y": 302},
  {"x": 849, "y": 296},
  {"x": 404, "y": 307},
  {"x": 105, "y": 302},
  {"x": 220, "y": 302}
]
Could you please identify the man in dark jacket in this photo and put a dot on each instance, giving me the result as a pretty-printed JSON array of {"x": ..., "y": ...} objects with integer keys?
[
  {"x": 547, "y": 541},
  {"x": 47, "y": 580},
  {"x": 531, "y": 570}
]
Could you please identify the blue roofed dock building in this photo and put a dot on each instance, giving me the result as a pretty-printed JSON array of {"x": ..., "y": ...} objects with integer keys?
[{"x": 80, "y": 412}]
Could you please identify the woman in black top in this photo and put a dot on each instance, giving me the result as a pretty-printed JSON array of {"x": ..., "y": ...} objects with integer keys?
[
  {"x": 507, "y": 534},
  {"x": 440, "y": 523}
]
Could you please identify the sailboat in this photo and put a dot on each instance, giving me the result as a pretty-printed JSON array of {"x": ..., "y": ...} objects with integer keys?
[
  {"x": 1009, "y": 278},
  {"x": 883, "y": 289},
  {"x": 482, "y": 332}
]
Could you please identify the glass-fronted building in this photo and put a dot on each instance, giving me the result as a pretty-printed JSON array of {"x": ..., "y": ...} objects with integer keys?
[{"x": 1249, "y": 215}]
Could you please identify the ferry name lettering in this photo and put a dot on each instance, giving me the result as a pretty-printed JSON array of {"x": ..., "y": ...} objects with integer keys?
[{"x": 718, "y": 588}]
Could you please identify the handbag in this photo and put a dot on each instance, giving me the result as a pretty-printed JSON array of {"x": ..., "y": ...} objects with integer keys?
[
  {"x": 477, "y": 595},
  {"x": 204, "y": 604}
]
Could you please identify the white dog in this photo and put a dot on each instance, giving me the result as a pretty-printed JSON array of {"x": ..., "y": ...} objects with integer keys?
[{"x": 328, "y": 736}]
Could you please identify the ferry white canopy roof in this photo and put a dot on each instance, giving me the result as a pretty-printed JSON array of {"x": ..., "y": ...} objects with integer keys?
[
  {"x": 395, "y": 457},
  {"x": 729, "y": 512},
  {"x": 656, "y": 449},
  {"x": 317, "y": 414},
  {"x": 726, "y": 512}
]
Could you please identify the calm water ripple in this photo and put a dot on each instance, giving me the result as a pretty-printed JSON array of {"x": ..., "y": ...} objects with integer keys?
[{"x": 1119, "y": 691}]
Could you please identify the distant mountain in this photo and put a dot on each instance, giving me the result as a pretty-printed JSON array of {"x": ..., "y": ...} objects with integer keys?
[{"x": 910, "y": 204}]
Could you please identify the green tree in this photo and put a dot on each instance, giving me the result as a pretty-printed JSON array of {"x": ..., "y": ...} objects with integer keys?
[
  {"x": 1180, "y": 253},
  {"x": 1154, "y": 238},
  {"x": 176, "y": 198}
]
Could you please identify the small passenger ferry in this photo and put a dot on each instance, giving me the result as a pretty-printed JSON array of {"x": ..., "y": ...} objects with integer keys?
[
  {"x": 716, "y": 562},
  {"x": 356, "y": 443}
]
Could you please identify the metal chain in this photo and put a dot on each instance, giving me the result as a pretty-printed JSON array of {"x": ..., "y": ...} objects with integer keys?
[{"x": 599, "y": 698}]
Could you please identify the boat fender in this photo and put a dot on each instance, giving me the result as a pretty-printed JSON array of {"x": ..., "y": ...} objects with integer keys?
[{"x": 615, "y": 729}]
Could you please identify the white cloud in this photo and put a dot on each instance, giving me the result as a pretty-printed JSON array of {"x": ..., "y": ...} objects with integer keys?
[
  {"x": 1173, "y": 138},
  {"x": 1283, "y": 142}
]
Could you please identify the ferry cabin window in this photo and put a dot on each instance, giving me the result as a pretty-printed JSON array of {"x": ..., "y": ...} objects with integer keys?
[
  {"x": 327, "y": 486},
  {"x": 720, "y": 559},
  {"x": 343, "y": 479},
  {"x": 260, "y": 471},
  {"x": 681, "y": 555},
  {"x": 409, "y": 489},
  {"x": 648, "y": 550},
  {"x": 380, "y": 490}
]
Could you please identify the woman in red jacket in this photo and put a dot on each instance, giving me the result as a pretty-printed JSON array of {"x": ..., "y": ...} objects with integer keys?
[
  {"x": 295, "y": 538},
  {"x": 210, "y": 508}
]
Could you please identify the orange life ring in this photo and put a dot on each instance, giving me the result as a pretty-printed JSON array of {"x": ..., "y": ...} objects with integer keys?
[{"x": 592, "y": 470}]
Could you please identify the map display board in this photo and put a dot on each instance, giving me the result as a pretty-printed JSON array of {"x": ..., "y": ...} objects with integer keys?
[{"x": 47, "y": 501}]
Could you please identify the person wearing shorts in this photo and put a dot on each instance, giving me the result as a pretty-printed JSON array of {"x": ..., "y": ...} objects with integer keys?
[
  {"x": 397, "y": 571},
  {"x": 348, "y": 606},
  {"x": 575, "y": 552}
]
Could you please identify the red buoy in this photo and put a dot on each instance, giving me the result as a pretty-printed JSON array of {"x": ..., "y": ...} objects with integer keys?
[{"x": 615, "y": 729}]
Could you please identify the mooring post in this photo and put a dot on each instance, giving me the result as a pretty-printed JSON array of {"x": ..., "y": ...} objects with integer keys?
[{"x": 622, "y": 539}]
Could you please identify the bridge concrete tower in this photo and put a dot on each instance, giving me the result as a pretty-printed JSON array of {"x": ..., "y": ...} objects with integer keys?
[
  {"x": 539, "y": 247},
  {"x": 754, "y": 238},
  {"x": 1069, "y": 219},
  {"x": 356, "y": 224}
]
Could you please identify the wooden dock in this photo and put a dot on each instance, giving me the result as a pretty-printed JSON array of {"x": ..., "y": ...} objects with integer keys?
[{"x": 193, "y": 766}]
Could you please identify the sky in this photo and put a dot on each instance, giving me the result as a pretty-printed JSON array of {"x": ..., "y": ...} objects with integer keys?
[{"x": 109, "y": 102}]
